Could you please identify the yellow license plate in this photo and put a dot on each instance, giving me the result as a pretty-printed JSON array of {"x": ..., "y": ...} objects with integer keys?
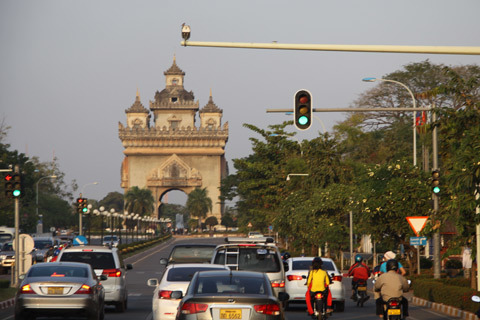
[
  {"x": 55, "y": 290},
  {"x": 230, "y": 313},
  {"x": 393, "y": 312},
  {"x": 362, "y": 288}
]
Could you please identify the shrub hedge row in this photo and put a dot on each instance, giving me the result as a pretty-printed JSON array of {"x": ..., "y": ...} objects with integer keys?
[
  {"x": 134, "y": 246},
  {"x": 442, "y": 291}
]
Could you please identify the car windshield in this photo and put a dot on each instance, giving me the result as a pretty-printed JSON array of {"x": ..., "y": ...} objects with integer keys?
[
  {"x": 306, "y": 264},
  {"x": 43, "y": 244},
  {"x": 229, "y": 285},
  {"x": 5, "y": 237},
  {"x": 185, "y": 274},
  {"x": 98, "y": 260},
  {"x": 58, "y": 271},
  {"x": 7, "y": 247},
  {"x": 192, "y": 254},
  {"x": 252, "y": 259}
]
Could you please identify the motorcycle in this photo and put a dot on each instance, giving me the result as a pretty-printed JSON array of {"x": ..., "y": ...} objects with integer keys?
[
  {"x": 361, "y": 293},
  {"x": 393, "y": 309},
  {"x": 319, "y": 307}
]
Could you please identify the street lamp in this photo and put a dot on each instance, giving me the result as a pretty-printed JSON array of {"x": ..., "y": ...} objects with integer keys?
[
  {"x": 370, "y": 79},
  {"x": 50, "y": 177},
  {"x": 80, "y": 231},
  {"x": 296, "y": 174}
]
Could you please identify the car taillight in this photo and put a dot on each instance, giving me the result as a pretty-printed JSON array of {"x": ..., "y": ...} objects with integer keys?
[
  {"x": 164, "y": 294},
  {"x": 337, "y": 278},
  {"x": 84, "y": 289},
  {"x": 27, "y": 289},
  {"x": 192, "y": 308},
  {"x": 112, "y": 273},
  {"x": 293, "y": 278},
  {"x": 270, "y": 309},
  {"x": 278, "y": 284}
]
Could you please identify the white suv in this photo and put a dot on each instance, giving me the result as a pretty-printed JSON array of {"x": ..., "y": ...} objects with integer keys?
[{"x": 107, "y": 261}]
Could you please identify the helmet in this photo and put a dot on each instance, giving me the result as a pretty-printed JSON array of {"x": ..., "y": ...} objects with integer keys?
[
  {"x": 392, "y": 264},
  {"x": 358, "y": 258},
  {"x": 317, "y": 263}
]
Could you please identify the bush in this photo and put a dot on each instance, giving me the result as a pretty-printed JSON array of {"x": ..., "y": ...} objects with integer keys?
[
  {"x": 4, "y": 283},
  {"x": 453, "y": 264},
  {"x": 425, "y": 263}
]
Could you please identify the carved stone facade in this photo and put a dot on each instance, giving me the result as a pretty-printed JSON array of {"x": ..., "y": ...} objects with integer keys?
[{"x": 172, "y": 153}]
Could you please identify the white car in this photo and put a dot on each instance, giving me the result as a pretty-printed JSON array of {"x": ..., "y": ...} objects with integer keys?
[
  {"x": 110, "y": 241},
  {"x": 296, "y": 279},
  {"x": 175, "y": 278}
]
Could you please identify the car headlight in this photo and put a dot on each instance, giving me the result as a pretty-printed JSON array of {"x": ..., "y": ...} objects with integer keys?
[{"x": 2, "y": 257}]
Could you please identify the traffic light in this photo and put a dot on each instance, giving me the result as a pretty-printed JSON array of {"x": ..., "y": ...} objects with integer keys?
[
  {"x": 9, "y": 185},
  {"x": 17, "y": 186},
  {"x": 81, "y": 205},
  {"x": 436, "y": 181},
  {"x": 302, "y": 109}
]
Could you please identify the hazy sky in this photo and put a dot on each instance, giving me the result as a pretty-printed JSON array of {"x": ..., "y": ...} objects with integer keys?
[{"x": 70, "y": 69}]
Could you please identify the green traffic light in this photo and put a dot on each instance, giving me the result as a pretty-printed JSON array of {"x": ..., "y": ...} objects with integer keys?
[
  {"x": 84, "y": 210},
  {"x": 303, "y": 120},
  {"x": 16, "y": 193},
  {"x": 436, "y": 190}
]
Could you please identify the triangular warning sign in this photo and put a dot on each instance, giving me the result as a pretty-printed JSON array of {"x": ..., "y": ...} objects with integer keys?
[{"x": 417, "y": 223}]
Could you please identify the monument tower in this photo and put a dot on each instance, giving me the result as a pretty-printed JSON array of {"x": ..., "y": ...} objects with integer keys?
[{"x": 172, "y": 153}]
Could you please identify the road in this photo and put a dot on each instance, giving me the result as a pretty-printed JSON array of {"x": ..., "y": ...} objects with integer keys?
[{"x": 146, "y": 265}]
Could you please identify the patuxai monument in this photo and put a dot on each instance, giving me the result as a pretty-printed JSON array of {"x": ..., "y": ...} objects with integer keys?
[{"x": 174, "y": 151}]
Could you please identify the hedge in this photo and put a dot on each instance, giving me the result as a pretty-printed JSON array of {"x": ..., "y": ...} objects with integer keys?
[{"x": 440, "y": 291}]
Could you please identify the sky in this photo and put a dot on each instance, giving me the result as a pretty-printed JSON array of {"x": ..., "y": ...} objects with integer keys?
[{"x": 69, "y": 69}]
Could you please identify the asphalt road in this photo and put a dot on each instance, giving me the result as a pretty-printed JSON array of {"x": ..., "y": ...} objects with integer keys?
[{"x": 146, "y": 265}]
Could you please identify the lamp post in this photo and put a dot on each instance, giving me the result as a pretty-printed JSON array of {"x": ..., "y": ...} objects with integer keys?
[
  {"x": 296, "y": 174},
  {"x": 50, "y": 177},
  {"x": 370, "y": 79},
  {"x": 80, "y": 227}
]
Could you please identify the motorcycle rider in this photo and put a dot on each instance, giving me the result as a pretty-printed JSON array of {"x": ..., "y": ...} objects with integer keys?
[
  {"x": 317, "y": 282},
  {"x": 360, "y": 272},
  {"x": 388, "y": 256},
  {"x": 391, "y": 285}
]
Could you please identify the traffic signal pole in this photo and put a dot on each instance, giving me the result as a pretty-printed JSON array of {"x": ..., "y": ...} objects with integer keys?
[
  {"x": 17, "y": 235},
  {"x": 436, "y": 235}
]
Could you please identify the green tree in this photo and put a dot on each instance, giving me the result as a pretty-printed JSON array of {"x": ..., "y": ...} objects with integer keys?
[
  {"x": 211, "y": 222},
  {"x": 113, "y": 200},
  {"x": 199, "y": 204},
  {"x": 139, "y": 201}
]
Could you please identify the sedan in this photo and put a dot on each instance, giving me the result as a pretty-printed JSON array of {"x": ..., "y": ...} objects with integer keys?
[
  {"x": 296, "y": 280},
  {"x": 216, "y": 295},
  {"x": 176, "y": 277},
  {"x": 60, "y": 288}
]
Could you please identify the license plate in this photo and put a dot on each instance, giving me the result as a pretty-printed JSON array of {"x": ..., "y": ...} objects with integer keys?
[
  {"x": 230, "y": 313},
  {"x": 362, "y": 288},
  {"x": 55, "y": 290},
  {"x": 393, "y": 312}
]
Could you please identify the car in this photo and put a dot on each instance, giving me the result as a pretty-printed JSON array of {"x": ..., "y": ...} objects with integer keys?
[
  {"x": 42, "y": 246},
  {"x": 110, "y": 241},
  {"x": 7, "y": 257},
  {"x": 189, "y": 253},
  {"x": 296, "y": 279},
  {"x": 228, "y": 294},
  {"x": 106, "y": 261},
  {"x": 253, "y": 254},
  {"x": 175, "y": 277},
  {"x": 255, "y": 234},
  {"x": 60, "y": 288}
]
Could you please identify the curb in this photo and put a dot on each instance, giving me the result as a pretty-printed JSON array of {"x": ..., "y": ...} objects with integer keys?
[
  {"x": 448, "y": 310},
  {"x": 7, "y": 303}
]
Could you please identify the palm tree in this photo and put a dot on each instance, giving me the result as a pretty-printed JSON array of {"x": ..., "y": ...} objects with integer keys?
[
  {"x": 199, "y": 204},
  {"x": 139, "y": 201}
]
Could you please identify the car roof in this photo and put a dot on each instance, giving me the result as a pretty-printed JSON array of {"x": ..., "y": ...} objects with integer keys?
[
  {"x": 62, "y": 263},
  {"x": 234, "y": 273},
  {"x": 187, "y": 245},
  {"x": 307, "y": 259},
  {"x": 196, "y": 265},
  {"x": 88, "y": 248}
]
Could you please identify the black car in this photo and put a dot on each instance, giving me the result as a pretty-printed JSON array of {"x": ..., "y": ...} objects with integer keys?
[{"x": 190, "y": 253}]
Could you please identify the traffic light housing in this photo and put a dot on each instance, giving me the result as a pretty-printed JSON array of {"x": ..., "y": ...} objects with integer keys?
[
  {"x": 436, "y": 181},
  {"x": 8, "y": 185},
  {"x": 302, "y": 109},
  {"x": 82, "y": 205},
  {"x": 17, "y": 186}
]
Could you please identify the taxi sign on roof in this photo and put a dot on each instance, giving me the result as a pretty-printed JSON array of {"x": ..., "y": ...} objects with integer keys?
[{"x": 417, "y": 223}]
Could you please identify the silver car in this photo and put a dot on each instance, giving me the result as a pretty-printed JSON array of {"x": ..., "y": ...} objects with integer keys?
[
  {"x": 226, "y": 294},
  {"x": 60, "y": 288},
  {"x": 105, "y": 261}
]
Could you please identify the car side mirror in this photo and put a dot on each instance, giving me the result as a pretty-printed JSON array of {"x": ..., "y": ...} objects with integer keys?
[
  {"x": 128, "y": 266},
  {"x": 176, "y": 295},
  {"x": 22, "y": 276},
  {"x": 283, "y": 296},
  {"x": 152, "y": 282},
  {"x": 285, "y": 266},
  {"x": 163, "y": 261},
  {"x": 102, "y": 277}
]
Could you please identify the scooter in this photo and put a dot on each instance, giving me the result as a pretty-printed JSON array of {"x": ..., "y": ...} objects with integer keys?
[
  {"x": 393, "y": 309},
  {"x": 361, "y": 293}
]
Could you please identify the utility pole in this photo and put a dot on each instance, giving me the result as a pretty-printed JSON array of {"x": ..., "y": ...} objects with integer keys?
[{"x": 436, "y": 235}]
